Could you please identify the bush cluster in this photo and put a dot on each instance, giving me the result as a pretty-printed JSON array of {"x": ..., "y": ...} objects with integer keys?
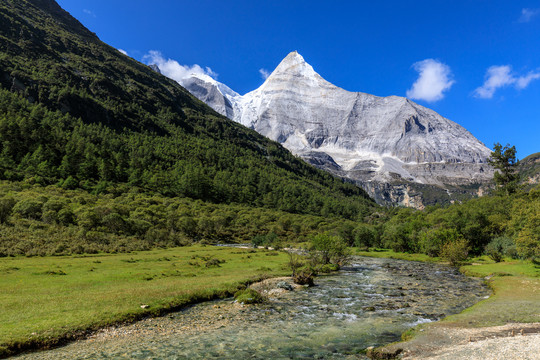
[
  {"x": 37, "y": 220},
  {"x": 496, "y": 225}
]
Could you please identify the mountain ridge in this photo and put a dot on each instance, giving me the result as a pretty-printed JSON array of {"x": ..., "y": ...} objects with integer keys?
[{"x": 371, "y": 139}]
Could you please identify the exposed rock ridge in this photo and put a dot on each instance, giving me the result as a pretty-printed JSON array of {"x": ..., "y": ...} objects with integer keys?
[{"x": 359, "y": 136}]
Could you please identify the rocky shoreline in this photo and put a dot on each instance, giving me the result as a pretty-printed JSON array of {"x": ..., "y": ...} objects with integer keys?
[{"x": 442, "y": 342}]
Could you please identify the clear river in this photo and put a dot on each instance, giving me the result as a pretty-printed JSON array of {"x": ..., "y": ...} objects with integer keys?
[{"x": 368, "y": 303}]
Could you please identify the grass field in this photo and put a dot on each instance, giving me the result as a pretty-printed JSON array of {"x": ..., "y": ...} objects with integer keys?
[
  {"x": 516, "y": 298},
  {"x": 47, "y": 300}
]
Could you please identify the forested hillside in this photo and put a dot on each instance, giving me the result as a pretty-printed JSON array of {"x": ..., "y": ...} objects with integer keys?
[
  {"x": 37, "y": 220},
  {"x": 76, "y": 113}
]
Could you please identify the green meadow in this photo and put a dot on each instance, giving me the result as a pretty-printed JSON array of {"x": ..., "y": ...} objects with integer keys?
[
  {"x": 516, "y": 294},
  {"x": 48, "y": 300}
]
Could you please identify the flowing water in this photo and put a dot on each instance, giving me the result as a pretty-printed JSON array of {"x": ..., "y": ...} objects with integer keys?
[{"x": 369, "y": 303}]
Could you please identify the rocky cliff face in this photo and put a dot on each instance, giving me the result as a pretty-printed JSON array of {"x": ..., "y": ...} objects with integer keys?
[
  {"x": 385, "y": 144},
  {"x": 529, "y": 171}
]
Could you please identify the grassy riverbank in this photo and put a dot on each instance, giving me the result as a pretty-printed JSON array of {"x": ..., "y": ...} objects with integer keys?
[
  {"x": 515, "y": 285},
  {"x": 516, "y": 290},
  {"x": 49, "y": 300},
  {"x": 390, "y": 254}
]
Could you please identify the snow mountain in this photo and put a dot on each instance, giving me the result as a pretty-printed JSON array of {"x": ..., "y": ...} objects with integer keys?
[{"x": 397, "y": 150}]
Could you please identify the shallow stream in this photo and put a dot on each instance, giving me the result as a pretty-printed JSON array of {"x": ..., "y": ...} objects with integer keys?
[{"x": 369, "y": 303}]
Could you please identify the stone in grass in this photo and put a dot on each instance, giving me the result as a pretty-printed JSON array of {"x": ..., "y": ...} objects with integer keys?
[
  {"x": 249, "y": 296},
  {"x": 284, "y": 285}
]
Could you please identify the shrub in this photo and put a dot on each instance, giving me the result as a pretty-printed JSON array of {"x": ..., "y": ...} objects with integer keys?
[
  {"x": 364, "y": 236},
  {"x": 499, "y": 247},
  {"x": 49, "y": 216},
  {"x": 29, "y": 208},
  {"x": 6, "y": 206},
  {"x": 328, "y": 249},
  {"x": 432, "y": 241},
  {"x": 455, "y": 251},
  {"x": 258, "y": 240},
  {"x": 114, "y": 222},
  {"x": 156, "y": 236},
  {"x": 265, "y": 240},
  {"x": 295, "y": 262},
  {"x": 88, "y": 219},
  {"x": 328, "y": 268},
  {"x": 347, "y": 233},
  {"x": 65, "y": 216},
  {"x": 249, "y": 296},
  {"x": 304, "y": 277},
  {"x": 528, "y": 242},
  {"x": 137, "y": 226},
  {"x": 396, "y": 238},
  {"x": 188, "y": 226}
]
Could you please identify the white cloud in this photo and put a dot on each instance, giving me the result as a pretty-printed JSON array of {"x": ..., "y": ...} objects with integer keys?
[
  {"x": 496, "y": 77},
  {"x": 89, "y": 12},
  {"x": 434, "y": 79},
  {"x": 500, "y": 76},
  {"x": 523, "y": 81},
  {"x": 528, "y": 14},
  {"x": 264, "y": 73},
  {"x": 172, "y": 69},
  {"x": 123, "y": 51}
]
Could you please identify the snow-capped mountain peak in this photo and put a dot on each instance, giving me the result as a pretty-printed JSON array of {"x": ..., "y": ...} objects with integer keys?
[{"x": 367, "y": 138}]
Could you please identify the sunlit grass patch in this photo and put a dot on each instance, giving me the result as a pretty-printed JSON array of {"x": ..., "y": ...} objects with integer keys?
[
  {"x": 516, "y": 288},
  {"x": 45, "y": 298},
  {"x": 387, "y": 253}
]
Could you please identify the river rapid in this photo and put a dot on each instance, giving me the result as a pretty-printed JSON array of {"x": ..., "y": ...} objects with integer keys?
[{"x": 368, "y": 303}]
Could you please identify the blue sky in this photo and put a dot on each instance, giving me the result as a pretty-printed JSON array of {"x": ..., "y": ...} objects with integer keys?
[{"x": 476, "y": 62}]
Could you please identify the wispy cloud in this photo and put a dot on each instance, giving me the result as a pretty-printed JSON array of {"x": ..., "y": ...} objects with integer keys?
[
  {"x": 123, "y": 51},
  {"x": 528, "y": 14},
  {"x": 433, "y": 80},
  {"x": 89, "y": 12},
  {"x": 174, "y": 70},
  {"x": 500, "y": 76},
  {"x": 264, "y": 73}
]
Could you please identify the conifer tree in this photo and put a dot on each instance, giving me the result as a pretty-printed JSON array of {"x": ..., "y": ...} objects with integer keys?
[{"x": 504, "y": 160}]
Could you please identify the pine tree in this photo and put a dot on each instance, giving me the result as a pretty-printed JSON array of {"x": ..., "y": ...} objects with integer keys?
[{"x": 504, "y": 160}]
